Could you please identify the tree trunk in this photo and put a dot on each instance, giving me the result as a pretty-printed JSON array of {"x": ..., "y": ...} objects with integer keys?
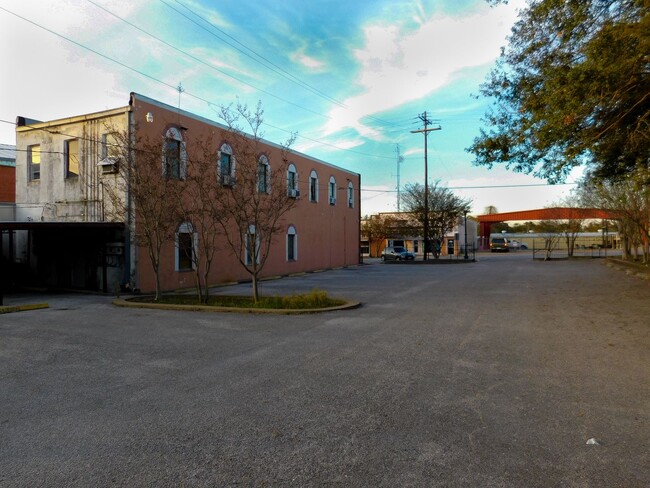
[{"x": 256, "y": 293}]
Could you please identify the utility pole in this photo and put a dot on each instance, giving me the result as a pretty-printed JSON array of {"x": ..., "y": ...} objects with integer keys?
[
  {"x": 423, "y": 117},
  {"x": 400, "y": 160}
]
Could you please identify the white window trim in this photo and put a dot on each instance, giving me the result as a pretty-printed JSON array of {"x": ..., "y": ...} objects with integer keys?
[
  {"x": 186, "y": 228},
  {"x": 292, "y": 169},
  {"x": 350, "y": 195},
  {"x": 175, "y": 134},
  {"x": 226, "y": 149},
  {"x": 251, "y": 231},
  {"x": 263, "y": 160},
  {"x": 331, "y": 191},
  {"x": 292, "y": 231},
  {"x": 313, "y": 176}
]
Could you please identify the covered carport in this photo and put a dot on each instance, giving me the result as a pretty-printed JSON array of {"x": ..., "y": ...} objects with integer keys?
[
  {"x": 62, "y": 255},
  {"x": 552, "y": 213}
]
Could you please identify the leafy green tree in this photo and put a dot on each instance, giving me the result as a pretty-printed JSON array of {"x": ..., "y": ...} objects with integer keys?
[
  {"x": 572, "y": 87},
  {"x": 628, "y": 198},
  {"x": 445, "y": 208}
]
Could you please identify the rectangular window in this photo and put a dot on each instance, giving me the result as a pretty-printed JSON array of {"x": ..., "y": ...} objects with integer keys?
[
  {"x": 34, "y": 162},
  {"x": 251, "y": 248},
  {"x": 110, "y": 153},
  {"x": 292, "y": 180},
  {"x": 291, "y": 247},
  {"x": 225, "y": 168},
  {"x": 110, "y": 147},
  {"x": 173, "y": 159},
  {"x": 184, "y": 251},
  {"x": 71, "y": 155},
  {"x": 262, "y": 178},
  {"x": 332, "y": 193},
  {"x": 312, "y": 189}
]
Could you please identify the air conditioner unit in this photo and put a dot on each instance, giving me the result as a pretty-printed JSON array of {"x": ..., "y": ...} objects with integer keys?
[
  {"x": 293, "y": 193},
  {"x": 350, "y": 203},
  {"x": 109, "y": 165},
  {"x": 332, "y": 200},
  {"x": 227, "y": 180}
]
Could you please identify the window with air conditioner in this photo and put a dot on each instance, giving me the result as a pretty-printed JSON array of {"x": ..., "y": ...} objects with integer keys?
[
  {"x": 110, "y": 156},
  {"x": 350, "y": 195},
  {"x": 174, "y": 155},
  {"x": 331, "y": 191},
  {"x": 292, "y": 182},
  {"x": 226, "y": 168}
]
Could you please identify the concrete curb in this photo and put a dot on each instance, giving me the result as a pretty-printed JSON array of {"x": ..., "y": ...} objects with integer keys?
[
  {"x": 22, "y": 308},
  {"x": 349, "y": 305}
]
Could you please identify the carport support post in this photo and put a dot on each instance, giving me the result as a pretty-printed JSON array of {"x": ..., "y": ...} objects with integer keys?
[{"x": 465, "y": 215}]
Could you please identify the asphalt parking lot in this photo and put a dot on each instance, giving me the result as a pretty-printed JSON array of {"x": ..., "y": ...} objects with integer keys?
[{"x": 488, "y": 374}]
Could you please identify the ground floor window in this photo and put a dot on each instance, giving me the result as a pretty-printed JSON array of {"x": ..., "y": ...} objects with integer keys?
[
  {"x": 292, "y": 244},
  {"x": 185, "y": 247}
]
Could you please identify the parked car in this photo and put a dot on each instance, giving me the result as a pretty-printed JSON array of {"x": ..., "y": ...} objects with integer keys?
[
  {"x": 499, "y": 244},
  {"x": 397, "y": 253},
  {"x": 515, "y": 244}
]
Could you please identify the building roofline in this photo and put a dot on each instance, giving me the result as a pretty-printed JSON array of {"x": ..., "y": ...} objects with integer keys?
[
  {"x": 137, "y": 96},
  {"x": 23, "y": 124}
]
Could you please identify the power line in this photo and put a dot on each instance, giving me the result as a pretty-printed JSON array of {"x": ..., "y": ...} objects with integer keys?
[{"x": 175, "y": 87}]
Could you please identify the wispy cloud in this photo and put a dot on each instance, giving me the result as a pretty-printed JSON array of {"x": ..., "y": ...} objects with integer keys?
[{"x": 399, "y": 65}]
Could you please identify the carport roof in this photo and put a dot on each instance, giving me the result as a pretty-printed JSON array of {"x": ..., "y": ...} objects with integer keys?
[{"x": 553, "y": 213}]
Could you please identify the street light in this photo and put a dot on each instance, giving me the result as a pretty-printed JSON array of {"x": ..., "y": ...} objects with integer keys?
[{"x": 465, "y": 214}]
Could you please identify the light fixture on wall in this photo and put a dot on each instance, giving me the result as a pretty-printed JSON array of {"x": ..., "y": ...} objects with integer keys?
[{"x": 149, "y": 117}]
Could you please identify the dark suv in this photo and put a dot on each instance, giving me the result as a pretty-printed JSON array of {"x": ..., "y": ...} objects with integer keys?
[
  {"x": 499, "y": 244},
  {"x": 397, "y": 253}
]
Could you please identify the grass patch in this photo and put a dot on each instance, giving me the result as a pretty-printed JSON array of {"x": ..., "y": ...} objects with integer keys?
[{"x": 313, "y": 300}]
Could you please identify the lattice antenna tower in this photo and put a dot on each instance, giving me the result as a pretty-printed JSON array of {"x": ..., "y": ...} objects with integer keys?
[{"x": 400, "y": 160}]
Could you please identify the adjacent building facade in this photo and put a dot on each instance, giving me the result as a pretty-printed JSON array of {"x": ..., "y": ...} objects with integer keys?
[
  {"x": 69, "y": 233},
  {"x": 404, "y": 230}
]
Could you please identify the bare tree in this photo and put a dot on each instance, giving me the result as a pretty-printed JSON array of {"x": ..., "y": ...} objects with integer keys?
[
  {"x": 142, "y": 191},
  {"x": 570, "y": 227},
  {"x": 628, "y": 198},
  {"x": 552, "y": 233},
  {"x": 198, "y": 206},
  {"x": 254, "y": 200},
  {"x": 378, "y": 228}
]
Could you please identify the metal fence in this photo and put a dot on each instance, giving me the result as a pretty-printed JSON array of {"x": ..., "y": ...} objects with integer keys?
[{"x": 582, "y": 247}]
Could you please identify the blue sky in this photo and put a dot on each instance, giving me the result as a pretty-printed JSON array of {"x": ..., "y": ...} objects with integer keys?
[{"x": 350, "y": 77}]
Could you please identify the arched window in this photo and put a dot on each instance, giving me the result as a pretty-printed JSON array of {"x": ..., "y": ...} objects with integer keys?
[
  {"x": 226, "y": 168},
  {"x": 186, "y": 247},
  {"x": 331, "y": 191},
  {"x": 292, "y": 244},
  {"x": 252, "y": 246},
  {"x": 313, "y": 186},
  {"x": 174, "y": 155},
  {"x": 292, "y": 182},
  {"x": 263, "y": 174},
  {"x": 350, "y": 195}
]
